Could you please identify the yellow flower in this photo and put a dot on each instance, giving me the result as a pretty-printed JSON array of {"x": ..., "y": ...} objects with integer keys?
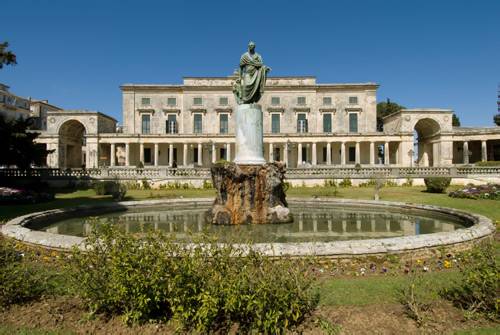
[
  {"x": 419, "y": 262},
  {"x": 447, "y": 264}
]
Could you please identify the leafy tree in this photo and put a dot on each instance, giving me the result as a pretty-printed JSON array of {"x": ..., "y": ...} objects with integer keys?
[
  {"x": 455, "y": 122},
  {"x": 17, "y": 144},
  {"x": 7, "y": 57},
  {"x": 384, "y": 109}
]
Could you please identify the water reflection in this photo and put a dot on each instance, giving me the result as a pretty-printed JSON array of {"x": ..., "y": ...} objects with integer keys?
[{"x": 311, "y": 224}]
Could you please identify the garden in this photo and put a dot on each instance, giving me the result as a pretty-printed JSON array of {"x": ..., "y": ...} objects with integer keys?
[{"x": 130, "y": 285}]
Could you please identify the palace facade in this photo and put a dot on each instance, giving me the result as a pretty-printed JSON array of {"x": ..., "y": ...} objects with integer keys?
[{"x": 305, "y": 124}]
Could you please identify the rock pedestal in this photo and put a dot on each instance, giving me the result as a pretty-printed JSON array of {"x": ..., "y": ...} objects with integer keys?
[{"x": 249, "y": 194}]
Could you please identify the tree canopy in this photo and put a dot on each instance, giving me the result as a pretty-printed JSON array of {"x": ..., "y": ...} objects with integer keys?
[
  {"x": 7, "y": 57},
  {"x": 386, "y": 108}
]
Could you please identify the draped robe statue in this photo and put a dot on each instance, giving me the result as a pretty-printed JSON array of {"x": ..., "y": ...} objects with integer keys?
[{"x": 249, "y": 86}]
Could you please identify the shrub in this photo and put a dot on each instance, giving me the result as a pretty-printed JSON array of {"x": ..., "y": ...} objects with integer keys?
[
  {"x": 437, "y": 184},
  {"x": 145, "y": 184},
  {"x": 205, "y": 288},
  {"x": 416, "y": 297},
  {"x": 19, "y": 283},
  {"x": 488, "y": 163},
  {"x": 207, "y": 185},
  {"x": 346, "y": 182},
  {"x": 330, "y": 183},
  {"x": 477, "y": 289},
  {"x": 113, "y": 188},
  {"x": 140, "y": 165}
]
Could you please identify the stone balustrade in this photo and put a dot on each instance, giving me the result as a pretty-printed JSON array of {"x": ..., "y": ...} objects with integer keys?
[{"x": 317, "y": 172}]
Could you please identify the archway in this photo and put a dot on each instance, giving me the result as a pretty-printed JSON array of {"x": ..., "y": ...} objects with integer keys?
[
  {"x": 71, "y": 144},
  {"x": 425, "y": 153}
]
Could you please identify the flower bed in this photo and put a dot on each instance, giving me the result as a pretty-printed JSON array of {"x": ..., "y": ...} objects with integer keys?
[
  {"x": 10, "y": 195},
  {"x": 489, "y": 191}
]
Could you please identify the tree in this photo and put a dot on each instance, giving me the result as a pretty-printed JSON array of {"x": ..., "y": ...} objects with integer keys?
[
  {"x": 455, "y": 121},
  {"x": 384, "y": 109},
  {"x": 17, "y": 144},
  {"x": 7, "y": 57}
]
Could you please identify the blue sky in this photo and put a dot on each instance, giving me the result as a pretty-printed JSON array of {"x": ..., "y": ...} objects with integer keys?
[{"x": 422, "y": 53}]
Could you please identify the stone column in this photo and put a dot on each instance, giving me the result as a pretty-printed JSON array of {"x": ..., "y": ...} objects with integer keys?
[
  {"x": 214, "y": 153},
  {"x": 314, "y": 158},
  {"x": 285, "y": 154},
  {"x": 184, "y": 154},
  {"x": 271, "y": 152},
  {"x": 329, "y": 153},
  {"x": 157, "y": 154},
  {"x": 342, "y": 153},
  {"x": 466, "y": 152},
  {"x": 127, "y": 154},
  {"x": 141, "y": 152},
  {"x": 112, "y": 155},
  {"x": 200, "y": 154},
  {"x": 170, "y": 154},
  {"x": 358, "y": 153},
  {"x": 386, "y": 153},
  {"x": 228, "y": 152},
  {"x": 484, "y": 151},
  {"x": 372, "y": 153},
  {"x": 299, "y": 154}
]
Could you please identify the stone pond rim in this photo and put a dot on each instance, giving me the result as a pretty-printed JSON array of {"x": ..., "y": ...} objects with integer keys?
[{"x": 248, "y": 194}]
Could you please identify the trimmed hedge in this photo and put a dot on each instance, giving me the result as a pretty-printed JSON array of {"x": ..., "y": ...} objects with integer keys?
[{"x": 437, "y": 184}]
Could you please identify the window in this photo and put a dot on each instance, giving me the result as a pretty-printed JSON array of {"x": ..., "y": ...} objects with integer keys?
[
  {"x": 195, "y": 156},
  {"x": 275, "y": 123},
  {"x": 145, "y": 101},
  {"x": 352, "y": 154},
  {"x": 197, "y": 101},
  {"x": 171, "y": 101},
  {"x": 223, "y": 153},
  {"x": 146, "y": 124},
  {"x": 327, "y": 123},
  {"x": 353, "y": 100},
  {"x": 301, "y": 101},
  {"x": 353, "y": 122},
  {"x": 224, "y": 123},
  {"x": 223, "y": 101},
  {"x": 197, "y": 124},
  {"x": 171, "y": 124},
  {"x": 301, "y": 123},
  {"x": 327, "y": 101},
  {"x": 275, "y": 101}
]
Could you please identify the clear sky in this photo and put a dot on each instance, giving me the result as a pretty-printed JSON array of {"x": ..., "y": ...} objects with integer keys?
[{"x": 435, "y": 53}]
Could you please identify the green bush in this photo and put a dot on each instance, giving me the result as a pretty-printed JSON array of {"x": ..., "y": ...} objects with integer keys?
[
  {"x": 477, "y": 289},
  {"x": 346, "y": 182},
  {"x": 109, "y": 187},
  {"x": 207, "y": 185},
  {"x": 437, "y": 184},
  {"x": 205, "y": 288},
  {"x": 19, "y": 283},
  {"x": 145, "y": 184},
  {"x": 488, "y": 163}
]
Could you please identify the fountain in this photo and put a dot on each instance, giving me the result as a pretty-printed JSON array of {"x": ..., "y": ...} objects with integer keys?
[{"x": 249, "y": 190}]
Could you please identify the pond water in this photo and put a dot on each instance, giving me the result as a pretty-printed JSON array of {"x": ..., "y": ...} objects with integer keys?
[{"x": 311, "y": 224}]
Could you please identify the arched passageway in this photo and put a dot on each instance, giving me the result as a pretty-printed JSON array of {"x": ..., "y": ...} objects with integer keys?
[
  {"x": 72, "y": 144},
  {"x": 425, "y": 150}
]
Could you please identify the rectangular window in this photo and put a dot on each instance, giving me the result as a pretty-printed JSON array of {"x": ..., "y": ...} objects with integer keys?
[
  {"x": 327, "y": 101},
  {"x": 146, "y": 101},
  {"x": 195, "y": 156},
  {"x": 275, "y": 101},
  {"x": 352, "y": 154},
  {"x": 301, "y": 101},
  {"x": 198, "y": 101},
  {"x": 353, "y": 122},
  {"x": 324, "y": 154},
  {"x": 301, "y": 123},
  {"x": 171, "y": 101},
  {"x": 327, "y": 123},
  {"x": 353, "y": 100},
  {"x": 197, "y": 124},
  {"x": 275, "y": 123},
  {"x": 224, "y": 123},
  {"x": 171, "y": 124},
  {"x": 146, "y": 124},
  {"x": 223, "y": 101}
]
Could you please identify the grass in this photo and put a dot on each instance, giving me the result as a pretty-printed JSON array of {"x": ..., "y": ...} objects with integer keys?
[{"x": 11, "y": 330}]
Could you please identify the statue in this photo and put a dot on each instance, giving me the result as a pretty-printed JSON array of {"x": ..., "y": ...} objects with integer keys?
[{"x": 249, "y": 86}]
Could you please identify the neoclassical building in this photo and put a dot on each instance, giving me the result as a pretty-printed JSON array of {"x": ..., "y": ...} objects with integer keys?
[{"x": 305, "y": 124}]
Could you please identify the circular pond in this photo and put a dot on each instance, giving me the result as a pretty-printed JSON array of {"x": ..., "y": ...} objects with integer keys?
[
  {"x": 311, "y": 223},
  {"x": 323, "y": 227}
]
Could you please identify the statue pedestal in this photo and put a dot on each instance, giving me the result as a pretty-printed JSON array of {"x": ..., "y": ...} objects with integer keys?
[
  {"x": 249, "y": 194},
  {"x": 249, "y": 135}
]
